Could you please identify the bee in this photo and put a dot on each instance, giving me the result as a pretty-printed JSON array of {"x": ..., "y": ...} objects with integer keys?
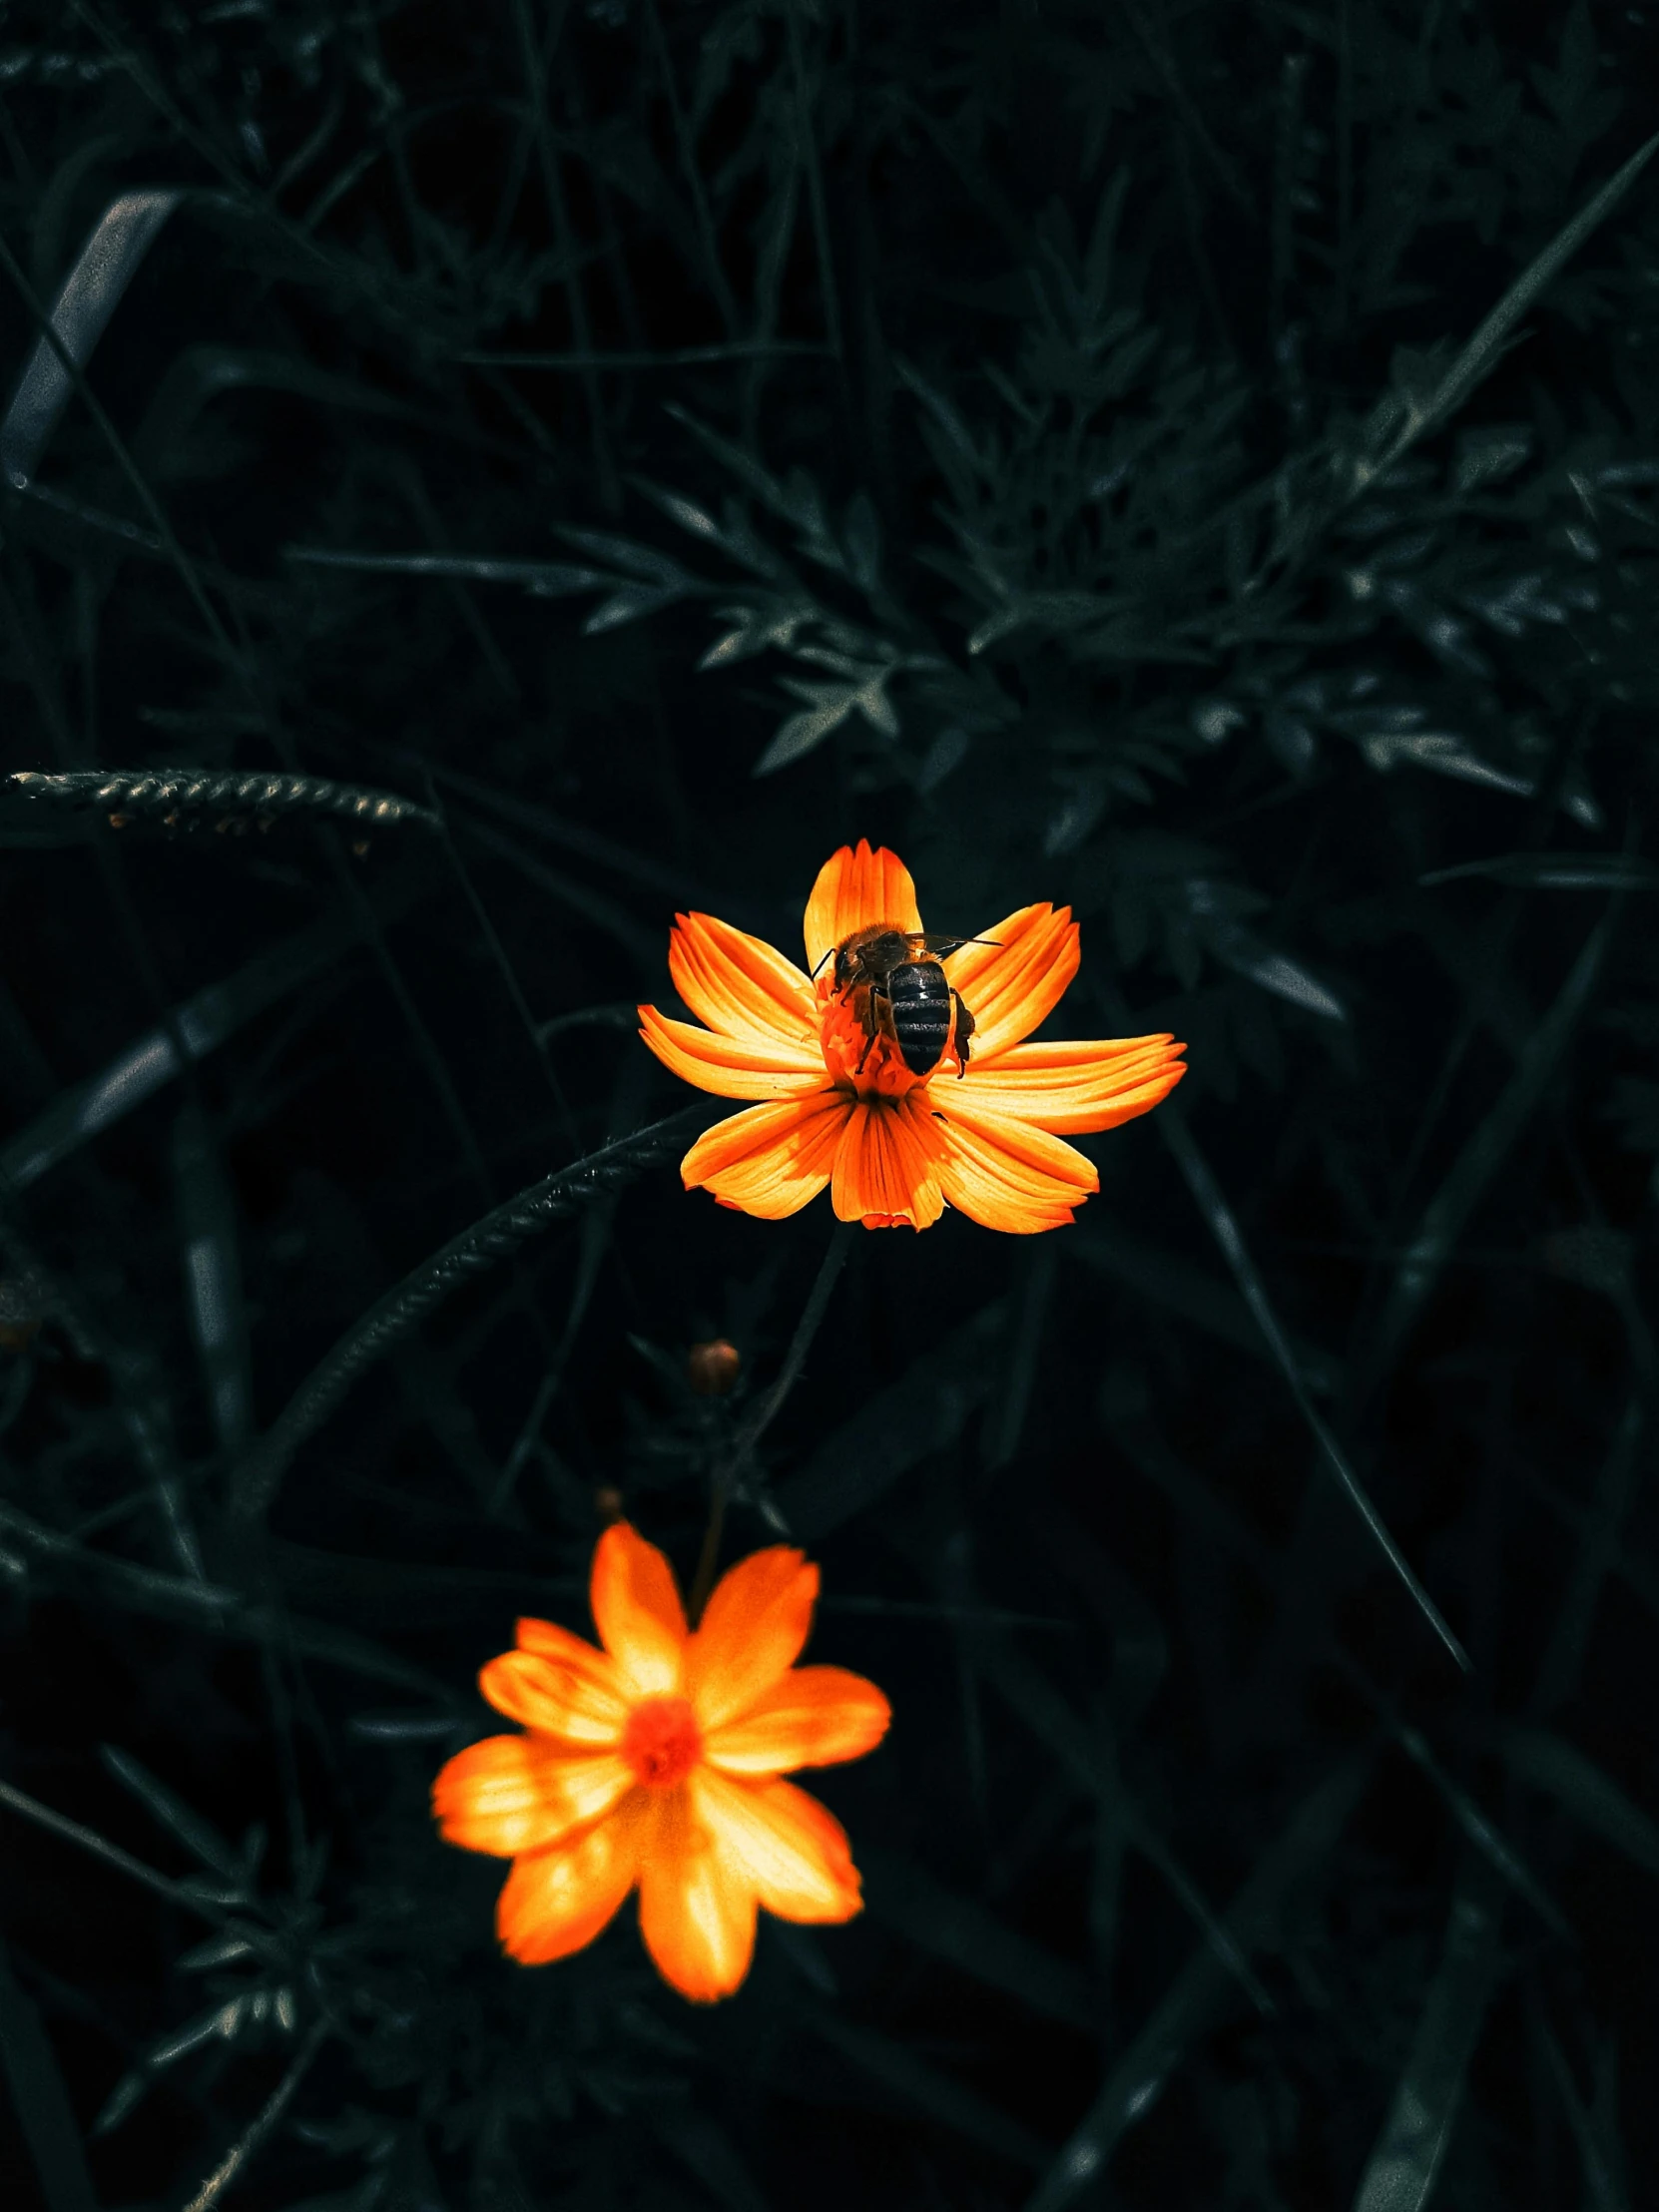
[{"x": 899, "y": 991}]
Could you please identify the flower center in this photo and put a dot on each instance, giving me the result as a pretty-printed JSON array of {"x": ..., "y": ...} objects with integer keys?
[
  {"x": 662, "y": 1742},
  {"x": 874, "y": 1068}
]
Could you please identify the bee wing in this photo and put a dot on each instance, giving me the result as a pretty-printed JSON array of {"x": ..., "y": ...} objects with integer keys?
[{"x": 943, "y": 945}]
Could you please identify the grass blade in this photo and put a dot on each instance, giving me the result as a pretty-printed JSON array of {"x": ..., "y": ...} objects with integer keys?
[
  {"x": 1485, "y": 348},
  {"x": 974, "y": 1940},
  {"x": 487, "y": 1242},
  {"x": 1400, "y": 2173},
  {"x": 918, "y": 2087},
  {"x": 213, "y": 1280},
  {"x": 1199, "y": 1993},
  {"x": 1593, "y": 1798},
  {"x": 921, "y": 1413},
  {"x": 41, "y": 2101},
  {"x": 91, "y": 292},
  {"x": 1447, "y": 1212},
  {"x": 202, "y": 1024},
  {"x": 1219, "y": 1214}
]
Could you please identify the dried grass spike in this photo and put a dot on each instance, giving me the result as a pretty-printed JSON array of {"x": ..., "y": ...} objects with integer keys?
[{"x": 236, "y": 800}]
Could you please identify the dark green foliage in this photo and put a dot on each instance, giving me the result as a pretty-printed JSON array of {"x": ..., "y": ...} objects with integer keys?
[{"x": 554, "y": 462}]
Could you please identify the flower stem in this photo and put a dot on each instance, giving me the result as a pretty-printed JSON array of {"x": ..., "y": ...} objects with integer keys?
[{"x": 725, "y": 1477}]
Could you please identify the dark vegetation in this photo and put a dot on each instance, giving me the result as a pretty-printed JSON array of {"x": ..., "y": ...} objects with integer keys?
[{"x": 653, "y": 442}]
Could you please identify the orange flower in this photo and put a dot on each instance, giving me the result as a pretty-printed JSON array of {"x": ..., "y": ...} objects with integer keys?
[
  {"x": 656, "y": 1762},
  {"x": 894, "y": 1146}
]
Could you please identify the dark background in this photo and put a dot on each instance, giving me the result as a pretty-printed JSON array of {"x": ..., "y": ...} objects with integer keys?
[{"x": 659, "y": 441}]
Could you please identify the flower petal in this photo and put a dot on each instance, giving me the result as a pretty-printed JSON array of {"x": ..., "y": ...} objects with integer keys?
[
  {"x": 855, "y": 887},
  {"x": 769, "y": 1160},
  {"x": 1011, "y": 984},
  {"x": 1070, "y": 1089},
  {"x": 637, "y": 1610},
  {"x": 577, "y": 1700},
  {"x": 789, "y": 1848},
  {"x": 734, "y": 1067},
  {"x": 813, "y": 1717},
  {"x": 697, "y": 1907},
  {"x": 557, "y": 1901},
  {"x": 740, "y": 984},
  {"x": 887, "y": 1165},
  {"x": 752, "y": 1630},
  {"x": 511, "y": 1793},
  {"x": 1006, "y": 1174}
]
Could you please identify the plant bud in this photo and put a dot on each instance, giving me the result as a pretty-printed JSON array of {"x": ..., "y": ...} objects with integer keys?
[{"x": 712, "y": 1369}]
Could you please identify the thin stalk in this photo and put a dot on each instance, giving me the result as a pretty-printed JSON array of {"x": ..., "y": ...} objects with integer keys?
[
  {"x": 718, "y": 283},
  {"x": 57, "y": 1824},
  {"x": 814, "y": 194},
  {"x": 1344, "y": 156},
  {"x": 610, "y": 490},
  {"x": 725, "y": 1475},
  {"x": 261, "y": 2125}
]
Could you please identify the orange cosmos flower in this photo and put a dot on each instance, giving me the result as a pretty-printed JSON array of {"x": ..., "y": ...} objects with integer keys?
[
  {"x": 982, "y": 1132},
  {"x": 656, "y": 1762}
]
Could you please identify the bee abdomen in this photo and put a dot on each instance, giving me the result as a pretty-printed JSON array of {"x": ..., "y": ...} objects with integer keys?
[{"x": 920, "y": 998}]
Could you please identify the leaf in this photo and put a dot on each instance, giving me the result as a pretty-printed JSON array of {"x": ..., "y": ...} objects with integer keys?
[
  {"x": 1443, "y": 1219},
  {"x": 542, "y": 579},
  {"x": 197, "y": 1835},
  {"x": 1556, "y": 872},
  {"x": 1490, "y": 1841},
  {"x": 1204, "y": 1299},
  {"x": 1595, "y": 2131},
  {"x": 1592, "y": 1796},
  {"x": 924, "y": 1412},
  {"x": 707, "y": 2151},
  {"x": 974, "y": 1940},
  {"x": 1013, "y": 1393},
  {"x": 201, "y": 1025},
  {"x": 1400, "y": 2173},
  {"x": 1396, "y": 427},
  {"x": 1219, "y": 1214},
  {"x": 771, "y": 623},
  {"x": 108, "y": 261},
  {"x": 41, "y": 2101},
  {"x": 1197, "y": 1996},
  {"x": 484, "y": 1244},
  {"x": 630, "y": 604},
  {"x": 1030, "y": 1693},
  {"x": 829, "y": 705},
  {"x": 212, "y": 1278},
  {"x": 1239, "y": 948},
  {"x": 645, "y": 945},
  {"x": 915, "y": 2087}
]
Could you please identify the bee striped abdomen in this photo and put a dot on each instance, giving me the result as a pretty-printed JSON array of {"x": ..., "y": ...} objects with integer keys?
[{"x": 919, "y": 1001}]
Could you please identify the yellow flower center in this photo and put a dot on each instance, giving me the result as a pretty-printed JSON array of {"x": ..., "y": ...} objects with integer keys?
[{"x": 662, "y": 1742}]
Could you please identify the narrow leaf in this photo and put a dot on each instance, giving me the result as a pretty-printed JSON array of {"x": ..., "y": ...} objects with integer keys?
[
  {"x": 1219, "y": 1214},
  {"x": 923, "y": 1411},
  {"x": 1400, "y": 2173},
  {"x": 1443, "y": 1218},
  {"x": 197, "y": 1835},
  {"x": 974, "y": 1940},
  {"x": 201, "y": 1024},
  {"x": 484, "y": 1245},
  {"x": 41, "y": 2101},
  {"x": 1592, "y": 1796},
  {"x": 1556, "y": 871},
  {"x": 1199, "y": 1994},
  {"x": 1483, "y": 349},
  {"x": 91, "y": 292},
  {"x": 914, "y": 2085}
]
